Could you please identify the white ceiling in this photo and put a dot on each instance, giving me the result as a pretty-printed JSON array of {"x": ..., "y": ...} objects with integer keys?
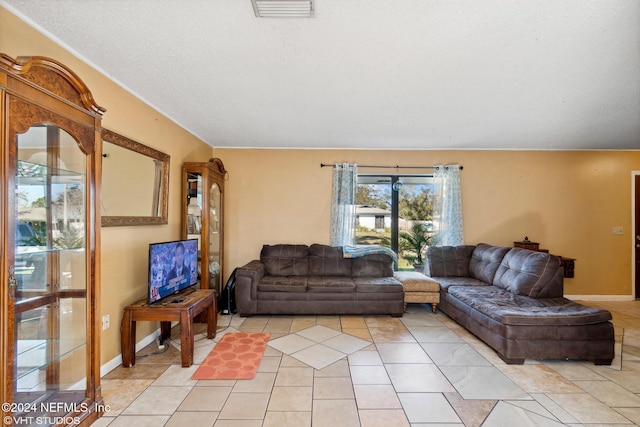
[{"x": 372, "y": 74}]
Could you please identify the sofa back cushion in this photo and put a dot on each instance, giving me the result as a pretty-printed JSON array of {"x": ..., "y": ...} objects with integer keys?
[
  {"x": 485, "y": 261},
  {"x": 328, "y": 261},
  {"x": 373, "y": 265},
  {"x": 285, "y": 260},
  {"x": 448, "y": 261},
  {"x": 530, "y": 273}
]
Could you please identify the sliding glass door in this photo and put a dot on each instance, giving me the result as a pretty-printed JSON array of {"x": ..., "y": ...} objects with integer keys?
[{"x": 396, "y": 211}]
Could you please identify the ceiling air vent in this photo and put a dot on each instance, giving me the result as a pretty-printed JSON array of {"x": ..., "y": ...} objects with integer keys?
[{"x": 283, "y": 8}]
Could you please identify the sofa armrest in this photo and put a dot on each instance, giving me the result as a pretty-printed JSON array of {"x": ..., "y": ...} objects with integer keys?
[
  {"x": 254, "y": 267},
  {"x": 247, "y": 278}
]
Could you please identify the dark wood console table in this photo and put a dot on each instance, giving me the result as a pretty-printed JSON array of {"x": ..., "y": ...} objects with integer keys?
[{"x": 182, "y": 307}]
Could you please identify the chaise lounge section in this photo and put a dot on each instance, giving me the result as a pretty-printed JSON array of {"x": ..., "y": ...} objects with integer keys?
[
  {"x": 512, "y": 299},
  {"x": 317, "y": 279}
]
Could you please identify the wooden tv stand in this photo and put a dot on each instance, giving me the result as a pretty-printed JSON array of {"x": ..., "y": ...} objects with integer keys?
[{"x": 182, "y": 307}]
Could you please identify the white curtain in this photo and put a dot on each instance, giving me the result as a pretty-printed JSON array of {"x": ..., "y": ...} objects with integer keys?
[
  {"x": 343, "y": 204},
  {"x": 448, "y": 209}
]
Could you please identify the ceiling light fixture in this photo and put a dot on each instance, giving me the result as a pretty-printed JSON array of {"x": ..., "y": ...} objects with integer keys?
[{"x": 283, "y": 8}]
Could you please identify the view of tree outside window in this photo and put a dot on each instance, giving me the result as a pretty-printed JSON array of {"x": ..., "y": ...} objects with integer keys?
[{"x": 396, "y": 211}]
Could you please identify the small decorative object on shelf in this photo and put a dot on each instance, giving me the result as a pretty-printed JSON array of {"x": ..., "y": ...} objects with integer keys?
[{"x": 527, "y": 244}]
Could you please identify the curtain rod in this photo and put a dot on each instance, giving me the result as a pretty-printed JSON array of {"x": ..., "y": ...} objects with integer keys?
[{"x": 388, "y": 167}]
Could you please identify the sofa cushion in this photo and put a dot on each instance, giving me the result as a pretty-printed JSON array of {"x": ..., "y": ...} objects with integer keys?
[
  {"x": 377, "y": 285},
  {"x": 284, "y": 296},
  {"x": 374, "y": 265},
  {"x": 328, "y": 261},
  {"x": 530, "y": 273},
  {"x": 448, "y": 261},
  {"x": 485, "y": 261},
  {"x": 283, "y": 284},
  {"x": 285, "y": 260},
  {"x": 446, "y": 282},
  {"x": 508, "y": 308},
  {"x": 331, "y": 284}
]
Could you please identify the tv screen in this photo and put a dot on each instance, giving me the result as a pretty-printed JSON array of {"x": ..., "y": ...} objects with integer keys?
[{"x": 173, "y": 266}]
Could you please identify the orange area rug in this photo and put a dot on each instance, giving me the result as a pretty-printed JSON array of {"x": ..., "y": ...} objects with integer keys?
[{"x": 236, "y": 357}]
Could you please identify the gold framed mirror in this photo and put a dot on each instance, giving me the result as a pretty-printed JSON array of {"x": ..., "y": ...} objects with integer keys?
[{"x": 135, "y": 182}]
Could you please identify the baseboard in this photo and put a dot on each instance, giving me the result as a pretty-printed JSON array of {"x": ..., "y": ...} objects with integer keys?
[
  {"x": 117, "y": 361},
  {"x": 600, "y": 297}
]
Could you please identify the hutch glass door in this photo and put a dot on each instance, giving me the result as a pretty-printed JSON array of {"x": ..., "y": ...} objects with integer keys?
[
  {"x": 194, "y": 212},
  {"x": 215, "y": 241},
  {"x": 50, "y": 270}
]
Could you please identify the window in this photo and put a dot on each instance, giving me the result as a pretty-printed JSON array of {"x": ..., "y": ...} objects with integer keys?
[
  {"x": 379, "y": 222},
  {"x": 396, "y": 211}
]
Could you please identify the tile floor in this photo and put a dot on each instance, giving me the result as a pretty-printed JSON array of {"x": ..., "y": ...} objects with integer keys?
[{"x": 342, "y": 371}]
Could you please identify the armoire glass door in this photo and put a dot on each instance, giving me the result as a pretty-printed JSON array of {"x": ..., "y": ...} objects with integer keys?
[
  {"x": 215, "y": 241},
  {"x": 50, "y": 270}
]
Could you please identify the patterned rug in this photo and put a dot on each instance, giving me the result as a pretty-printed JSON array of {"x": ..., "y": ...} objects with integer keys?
[{"x": 236, "y": 357}]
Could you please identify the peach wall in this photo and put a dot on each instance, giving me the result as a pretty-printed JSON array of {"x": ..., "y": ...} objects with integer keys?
[
  {"x": 124, "y": 249},
  {"x": 566, "y": 200}
]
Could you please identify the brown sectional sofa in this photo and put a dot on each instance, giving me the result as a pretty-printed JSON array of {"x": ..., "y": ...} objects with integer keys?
[
  {"x": 512, "y": 299},
  {"x": 317, "y": 279}
]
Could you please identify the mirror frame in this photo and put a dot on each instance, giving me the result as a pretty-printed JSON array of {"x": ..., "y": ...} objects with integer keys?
[{"x": 124, "y": 142}]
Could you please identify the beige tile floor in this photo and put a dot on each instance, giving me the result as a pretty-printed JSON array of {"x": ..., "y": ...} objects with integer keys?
[{"x": 420, "y": 370}]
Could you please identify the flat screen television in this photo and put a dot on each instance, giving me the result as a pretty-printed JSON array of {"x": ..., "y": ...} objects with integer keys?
[{"x": 173, "y": 266}]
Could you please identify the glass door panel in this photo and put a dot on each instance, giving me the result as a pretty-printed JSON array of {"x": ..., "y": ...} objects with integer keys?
[
  {"x": 214, "y": 237},
  {"x": 396, "y": 211},
  {"x": 50, "y": 264},
  {"x": 194, "y": 207}
]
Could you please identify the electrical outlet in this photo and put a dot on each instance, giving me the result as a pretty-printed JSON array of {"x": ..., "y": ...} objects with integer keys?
[
  {"x": 105, "y": 322},
  {"x": 616, "y": 230}
]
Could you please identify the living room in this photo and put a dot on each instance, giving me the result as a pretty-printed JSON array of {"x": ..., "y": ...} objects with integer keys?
[{"x": 569, "y": 200}]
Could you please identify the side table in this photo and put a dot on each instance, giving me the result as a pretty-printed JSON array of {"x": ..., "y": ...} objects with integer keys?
[{"x": 182, "y": 307}]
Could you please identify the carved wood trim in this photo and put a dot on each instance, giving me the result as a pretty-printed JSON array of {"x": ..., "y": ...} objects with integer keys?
[
  {"x": 123, "y": 141},
  {"x": 216, "y": 165},
  {"x": 24, "y": 115},
  {"x": 52, "y": 76}
]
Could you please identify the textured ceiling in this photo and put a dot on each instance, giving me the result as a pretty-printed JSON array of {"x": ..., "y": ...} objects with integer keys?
[{"x": 371, "y": 74}]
